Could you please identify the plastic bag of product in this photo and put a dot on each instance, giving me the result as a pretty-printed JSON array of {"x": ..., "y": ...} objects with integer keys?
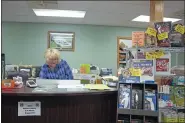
[{"x": 178, "y": 70}]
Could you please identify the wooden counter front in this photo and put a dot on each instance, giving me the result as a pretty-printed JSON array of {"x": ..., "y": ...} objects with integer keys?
[{"x": 64, "y": 107}]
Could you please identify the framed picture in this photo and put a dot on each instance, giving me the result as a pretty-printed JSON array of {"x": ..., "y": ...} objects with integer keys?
[
  {"x": 63, "y": 41},
  {"x": 27, "y": 70}
]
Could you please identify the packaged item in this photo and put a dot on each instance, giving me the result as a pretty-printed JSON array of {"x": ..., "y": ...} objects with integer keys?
[
  {"x": 137, "y": 97},
  {"x": 146, "y": 67},
  {"x": 180, "y": 80},
  {"x": 124, "y": 96},
  {"x": 179, "y": 96},
  {"x": 150, "y": 100},
  {"x": 178, "y": 70},
  {"x": 150, "y": 41},
  {"x": 141, "y": 55},
  {"x": 150, "y": 37},
  {"x": 176, "y": 38},
  {"x": 163, "y": 30},
  {"x": 181, "y": 118},
  {"x": 163, "y": 64}
]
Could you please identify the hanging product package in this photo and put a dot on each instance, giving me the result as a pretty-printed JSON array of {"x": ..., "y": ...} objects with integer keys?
[
  {"x": 163, "y": 30},
  {"x": 176, "y": 37},
  {"x": 150, "y": 37},
  {"x": 178, "y": 70}
]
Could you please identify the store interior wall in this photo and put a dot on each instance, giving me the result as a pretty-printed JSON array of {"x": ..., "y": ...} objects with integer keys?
[{"x": 26, "y": 42}]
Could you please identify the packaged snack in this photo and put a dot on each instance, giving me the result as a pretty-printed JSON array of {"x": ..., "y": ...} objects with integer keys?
[
  {"x": 178, "y": 70},
  {"x": 176, "y": 38},
  {"x": 162, "y": 65},
  {"x": 163, "y": 30},
  {"x": 141, "y": 55},
  {"x": 150, "y": 41}
]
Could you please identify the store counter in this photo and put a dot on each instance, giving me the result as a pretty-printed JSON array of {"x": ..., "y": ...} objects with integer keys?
[{"x": 61, "y": 106}]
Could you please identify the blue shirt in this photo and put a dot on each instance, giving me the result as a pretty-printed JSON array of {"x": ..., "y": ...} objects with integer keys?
[{"x": 62, "y": 71}]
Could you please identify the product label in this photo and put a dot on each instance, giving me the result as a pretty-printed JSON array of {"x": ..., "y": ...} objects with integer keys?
[
  {"x": 179, "y": 29},
  {"x": 162, "y": 65},
  {"x": 162, "y": 36},
  {"x": 146, "y": 63},
  {"x": 151, "y": 31}
]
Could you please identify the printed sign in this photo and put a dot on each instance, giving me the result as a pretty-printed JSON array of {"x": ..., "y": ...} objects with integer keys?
[
  {"x": 162, "y": 65},
  {"x": 138, "y": 39},
  {"x": 29, "y": 108}
]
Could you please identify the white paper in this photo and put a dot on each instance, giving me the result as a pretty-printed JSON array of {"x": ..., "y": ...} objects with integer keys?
[
  {"x": 71, "y": 86},
  {"x": 41, "y": 82},
  {"x": 29, "y": 108}
]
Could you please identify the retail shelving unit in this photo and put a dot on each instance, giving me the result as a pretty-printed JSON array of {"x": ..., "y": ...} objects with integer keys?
[
  {"x": 141, "y": 115},
  {"x": 122, "y": 62}
]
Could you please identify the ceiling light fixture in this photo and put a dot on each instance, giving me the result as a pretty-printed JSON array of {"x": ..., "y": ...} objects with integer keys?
[
  {"x": 59, "y": 13},
  {"x": 145, "y": 18}
]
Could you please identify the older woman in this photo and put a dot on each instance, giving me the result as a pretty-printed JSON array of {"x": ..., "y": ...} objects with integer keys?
[{"x": 55, "y": 68}]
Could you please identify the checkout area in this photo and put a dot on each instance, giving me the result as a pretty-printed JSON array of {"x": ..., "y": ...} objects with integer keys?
[{"x": 59, "y": 101}]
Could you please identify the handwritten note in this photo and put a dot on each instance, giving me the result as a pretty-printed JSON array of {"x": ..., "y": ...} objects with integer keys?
[
  {"x": 135, "y": 72},
  {"x": 180, "y": 29},
  {"x": 162, "y": 36},
  {"x": 151, "y": 31}
]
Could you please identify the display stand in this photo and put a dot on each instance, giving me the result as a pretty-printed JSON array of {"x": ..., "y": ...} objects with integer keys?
[{"x": 140, "y": 114}]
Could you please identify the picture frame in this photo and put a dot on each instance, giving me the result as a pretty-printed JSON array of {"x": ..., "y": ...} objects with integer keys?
[
  {"x": 27, "y": 70},
  {"x": 63, "y": 41}
]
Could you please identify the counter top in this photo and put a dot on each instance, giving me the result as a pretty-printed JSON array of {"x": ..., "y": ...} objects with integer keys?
[{"x": 26, "y": 91}]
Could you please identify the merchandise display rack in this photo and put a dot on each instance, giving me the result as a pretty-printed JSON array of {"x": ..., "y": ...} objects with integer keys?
[{"x": 129, "y": 114}]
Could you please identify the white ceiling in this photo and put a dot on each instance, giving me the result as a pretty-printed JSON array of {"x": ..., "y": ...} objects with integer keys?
[{"x": 112, "y": 13}]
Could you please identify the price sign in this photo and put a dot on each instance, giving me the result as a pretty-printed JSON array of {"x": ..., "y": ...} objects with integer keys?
[
  {"x": 135, "y": 72},
  {"x": 160, "y": 53},
  {"x": 29, "y": 108},
  {"x": 162, "y": 36},
  {"x": 180, "y": 29},
  {"x": 149, "y": 56},
  {"x": 151, "y": 31}
]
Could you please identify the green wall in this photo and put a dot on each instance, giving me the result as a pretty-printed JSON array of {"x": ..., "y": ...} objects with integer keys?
[{"x": 26, "y": 43}]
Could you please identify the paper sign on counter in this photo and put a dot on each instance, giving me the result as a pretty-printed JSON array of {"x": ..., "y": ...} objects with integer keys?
[
  {"x": 29, "y": 108},
  {"x": 96, "y": 86}
]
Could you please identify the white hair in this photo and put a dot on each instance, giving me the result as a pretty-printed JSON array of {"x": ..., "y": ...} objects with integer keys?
[{"x": 52, "y": 54}]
